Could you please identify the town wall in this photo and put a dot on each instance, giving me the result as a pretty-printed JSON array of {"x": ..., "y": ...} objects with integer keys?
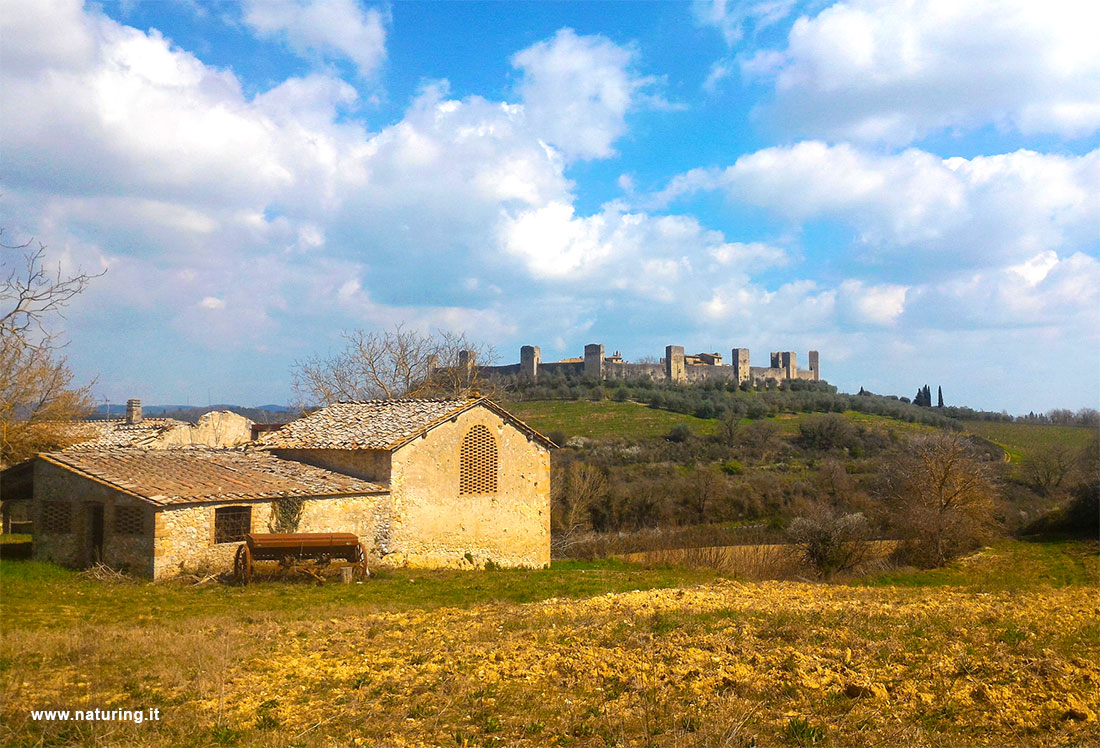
[
  {"x": 674, "y": 367},
  {"x": 624, "y": 370},
  {"x": 567, "y": 368},
  {"x": 434, "y": 525}
]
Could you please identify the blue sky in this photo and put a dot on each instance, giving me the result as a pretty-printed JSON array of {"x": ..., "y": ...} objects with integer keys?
[{"x": 911, "y": 188}]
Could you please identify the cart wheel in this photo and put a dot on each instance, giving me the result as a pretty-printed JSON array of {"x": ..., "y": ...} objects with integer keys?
[
  {"x": 242, "y": 564},
  {"x": 361, "y": 561}
]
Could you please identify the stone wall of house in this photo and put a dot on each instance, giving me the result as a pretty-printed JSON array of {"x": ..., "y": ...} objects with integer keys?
[
  {"x": 55, "y": 486},
  {"x": 185, "y": 534},
  {"x": 434, "y": 525},
  {"x": 368, "y": 464},
  {"x": 219, "y": 428}
]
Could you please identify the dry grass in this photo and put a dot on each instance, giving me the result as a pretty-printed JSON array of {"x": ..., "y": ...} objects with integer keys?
[
  {"x": 721, "y": 664},
  {"x": 751, "y": 562}
]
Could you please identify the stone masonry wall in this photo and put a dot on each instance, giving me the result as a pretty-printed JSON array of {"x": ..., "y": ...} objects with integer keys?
[
  {"x": 673, "y": 367},
  {"x": 435, "y": 526},
  {"x": 575, "y": 368},
  {"x": 615, "y": 370},
  {"x": 219, "y": 428},
  {"x": 185, "y": 534},
  {"x": 120, "y": 551},
  {"x": 709, "y": 374}
]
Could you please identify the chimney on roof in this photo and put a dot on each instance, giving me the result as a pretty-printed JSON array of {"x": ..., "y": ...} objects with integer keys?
[{"x": 133, "y": 411}]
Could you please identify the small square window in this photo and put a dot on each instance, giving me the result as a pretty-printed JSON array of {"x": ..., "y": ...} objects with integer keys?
[
  {"x": 232, "y": 523},
  {"x": 57, "y": 517},
  {"x": 128, "y": 520}
]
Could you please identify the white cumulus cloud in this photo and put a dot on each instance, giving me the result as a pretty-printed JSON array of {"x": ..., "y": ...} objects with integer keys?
[
  {"x": 884, "y": 71},
  {"x": 962, "y": 212},
  {"x": 577, "y": 91},
  {"x": 326, "y": 29}
]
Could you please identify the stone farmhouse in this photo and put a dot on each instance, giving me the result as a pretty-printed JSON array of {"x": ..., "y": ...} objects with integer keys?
[
  {"x": 424, "y": 483},
  {"x": 675, "y": 366},
  {"x": 221, "y": 428}
]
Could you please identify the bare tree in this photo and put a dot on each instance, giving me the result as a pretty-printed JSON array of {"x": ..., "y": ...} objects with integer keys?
[
  {"x": 393, "y": 364},
  {"x": 1047, "y": 468},
  {"x": 578, "y": 486},
  {"x": 729, "y": 426},
  {"x": 31, "y": 293},
  {"x": 942, "y": 496},
  {"x": 37, "y": 395}
]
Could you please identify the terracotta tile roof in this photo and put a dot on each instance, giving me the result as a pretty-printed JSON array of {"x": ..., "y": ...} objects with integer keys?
[
  {"x": 370, "y": 424},
  {"x": 118, "y": 433},
  {"x": 185, "y": 476}
]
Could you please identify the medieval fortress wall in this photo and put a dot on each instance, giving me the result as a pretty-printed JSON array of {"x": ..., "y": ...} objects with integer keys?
[{"x": 676, "y": 366}]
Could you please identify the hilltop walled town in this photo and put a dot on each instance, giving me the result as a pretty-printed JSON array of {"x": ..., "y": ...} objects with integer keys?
[{"x": 674, "y": 366}]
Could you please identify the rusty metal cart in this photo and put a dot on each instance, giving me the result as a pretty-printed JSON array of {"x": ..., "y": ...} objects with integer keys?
[{"x": 304, "y": 553}]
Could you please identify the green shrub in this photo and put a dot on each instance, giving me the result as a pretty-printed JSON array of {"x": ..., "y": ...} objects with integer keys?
[
  {"x": 732, "y": 467},
  {"x": 679, "y": 433},
  {"x": 830, "y": 542}
]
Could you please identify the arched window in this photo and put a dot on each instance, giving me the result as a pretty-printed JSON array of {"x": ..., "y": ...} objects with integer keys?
[{"x": 477, "y": 461}]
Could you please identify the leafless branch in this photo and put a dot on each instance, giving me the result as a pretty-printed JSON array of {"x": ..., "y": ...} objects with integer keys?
[
  {"x": 392, "y": 364},
  {"x": 31, "y": 293}
]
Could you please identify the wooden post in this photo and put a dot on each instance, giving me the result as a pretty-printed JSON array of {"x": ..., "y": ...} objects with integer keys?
[{"x": 346, "y": 574}]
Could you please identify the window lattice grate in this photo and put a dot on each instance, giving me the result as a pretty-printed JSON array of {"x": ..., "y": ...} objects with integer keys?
[
  {"x": 128, "y": 520},
  {"x": 231, "y": 523},
  {"x": 57, "y": 518},
  {"x": 478, "y": 462}
]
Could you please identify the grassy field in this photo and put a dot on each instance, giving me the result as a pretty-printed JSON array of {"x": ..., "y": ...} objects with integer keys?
[
  {"x": 606, "y": 419},
  {"x": 45, "y": 596},
  {"x": 1022, "y": 439},
  {"x": 566, "y": 656}
]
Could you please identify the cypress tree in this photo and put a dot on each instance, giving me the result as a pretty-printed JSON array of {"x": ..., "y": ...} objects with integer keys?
[{"x": 939, "y": 392}]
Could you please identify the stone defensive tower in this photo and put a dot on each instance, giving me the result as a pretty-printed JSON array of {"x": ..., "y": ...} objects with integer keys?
[
  {"x": 739, "y": 360},
  {"x": 815, "y": 365},
  {"x": 467, "y": 361},
  {"x": 593, "y": 361},
  {"x": 530, "y": 356},
  {"x": 674, "y": 363},
  {"x": 788, "y": 362}
]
